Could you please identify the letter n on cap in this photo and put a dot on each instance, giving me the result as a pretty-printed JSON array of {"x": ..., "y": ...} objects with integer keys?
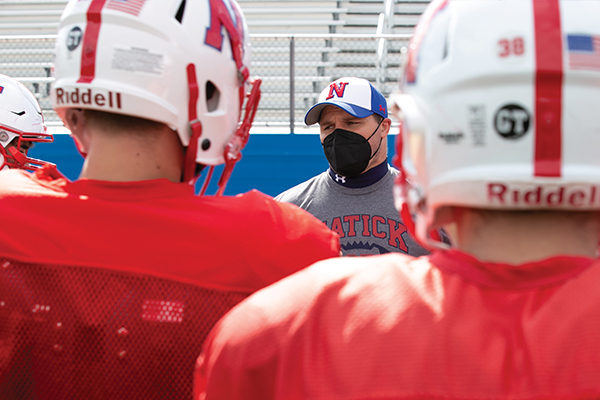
[{"x": 339, "y": 90}]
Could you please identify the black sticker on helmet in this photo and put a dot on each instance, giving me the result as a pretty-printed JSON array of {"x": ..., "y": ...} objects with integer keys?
[
  {"x": 512, "y": 121},
  {"x": 74, "y": 38},
  {"x": 451, "y": 137}
]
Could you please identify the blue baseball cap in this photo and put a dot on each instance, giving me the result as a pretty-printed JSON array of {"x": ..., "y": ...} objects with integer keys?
[{"x": 356, "y": 96}]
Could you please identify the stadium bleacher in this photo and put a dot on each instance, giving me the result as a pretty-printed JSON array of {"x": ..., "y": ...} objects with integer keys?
[
  {"x": 293, "y": 16},
  {"x": 297, "y": 46},
  {"x": 30, "y": 17},
  {"x": 362, "y": 15}
]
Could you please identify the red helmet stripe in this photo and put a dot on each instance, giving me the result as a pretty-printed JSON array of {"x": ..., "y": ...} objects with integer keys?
[
  {"x": 90, "y": 41},
  {"x": 410, "y": 72},
  {"x": 548, "y": 88}
]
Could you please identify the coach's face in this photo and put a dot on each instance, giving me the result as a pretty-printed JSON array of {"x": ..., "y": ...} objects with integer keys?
[{"x": 333, "y": 118}]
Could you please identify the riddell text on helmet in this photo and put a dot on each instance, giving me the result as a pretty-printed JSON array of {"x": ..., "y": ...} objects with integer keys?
[
  {"x": 559, "y": 196},
  {"x": 76, "y": 97}
]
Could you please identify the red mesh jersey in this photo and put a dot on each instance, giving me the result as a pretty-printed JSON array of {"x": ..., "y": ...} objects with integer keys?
[
  {"x": 89, "y": 333},
  {"x": 391, "y": 327},
  {"x": 110, "y": 287}
]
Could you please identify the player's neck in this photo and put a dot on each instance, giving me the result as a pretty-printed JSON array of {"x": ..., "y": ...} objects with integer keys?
[
  {"x": 520, "y": 237},
  {"x": 128, "y": 158}
]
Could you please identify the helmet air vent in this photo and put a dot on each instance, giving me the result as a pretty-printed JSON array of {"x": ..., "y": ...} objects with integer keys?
[
  {"x": 213, "y": 96},
  {"x": 180, "y": 11}
]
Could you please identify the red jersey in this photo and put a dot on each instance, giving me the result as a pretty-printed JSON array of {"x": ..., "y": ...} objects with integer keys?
[
  {"x": 391, "y": 327},
  {"x": 107, "y": 289}
]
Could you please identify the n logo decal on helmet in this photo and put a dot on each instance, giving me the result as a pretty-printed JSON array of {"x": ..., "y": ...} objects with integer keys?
[
  {"x": 223, "y": 14},
  {"x": 339, "y": 90}
]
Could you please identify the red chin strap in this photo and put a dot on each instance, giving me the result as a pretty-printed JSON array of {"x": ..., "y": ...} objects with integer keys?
[
  {"x": 79, "y": 147},
  {"x": 434, "y": 238},
  {"x": 233, "y": 148},
  {"x": 189, "y": 167},
  {"x": 402, "y": 184}
]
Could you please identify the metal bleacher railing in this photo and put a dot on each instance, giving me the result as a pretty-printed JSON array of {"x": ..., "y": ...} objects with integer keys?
[{"x": 294, "y": 66}]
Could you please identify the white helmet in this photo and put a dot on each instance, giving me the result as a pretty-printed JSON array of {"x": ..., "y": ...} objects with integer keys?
[
  {"x": 499, "y": 104},
  {"x": 21, "y": 124},
  {"x": 182, "y": 63}
]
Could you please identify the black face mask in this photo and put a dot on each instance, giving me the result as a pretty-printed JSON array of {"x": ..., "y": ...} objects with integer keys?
[{"x": 349, "y": 153}]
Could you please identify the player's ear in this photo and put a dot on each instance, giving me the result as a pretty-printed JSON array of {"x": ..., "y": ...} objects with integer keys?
[
  {"x": 74, "y": 119},
  {"x": 386, "y": 124},
  {"x": 75, "y": 122},
  {"x": 445, "y": 218}
]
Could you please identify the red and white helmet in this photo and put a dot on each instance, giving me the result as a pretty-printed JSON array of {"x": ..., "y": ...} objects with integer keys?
[
  {"x": 499, "y": 104},
  {"x": 182, "y": 63},
  {"x": 21, "y": 124}
]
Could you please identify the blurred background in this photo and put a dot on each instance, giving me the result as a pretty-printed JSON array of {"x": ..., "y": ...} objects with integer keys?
[{"x": 298, "y": 46}]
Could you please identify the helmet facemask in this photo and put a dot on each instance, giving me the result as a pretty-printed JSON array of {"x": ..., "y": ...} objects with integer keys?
[{"x": 14, "y": 153}]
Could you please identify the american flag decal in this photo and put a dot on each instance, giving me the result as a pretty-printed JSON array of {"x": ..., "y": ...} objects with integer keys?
[
  {"x": 132, "y": 7},
  {"x": 584, "y": 51}
]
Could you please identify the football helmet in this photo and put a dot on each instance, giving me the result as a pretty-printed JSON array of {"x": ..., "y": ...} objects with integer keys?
[
  {"x": 182, "y": 63},
  {"x": 498, "y": 105},
  {"x": 21, "y": 124}
]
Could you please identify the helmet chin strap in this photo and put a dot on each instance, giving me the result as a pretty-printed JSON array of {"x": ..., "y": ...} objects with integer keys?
[
  {"x": 433, "y": 239},
  {"x": 233, "y": 148},
  {"x": 189, "y": 167}
]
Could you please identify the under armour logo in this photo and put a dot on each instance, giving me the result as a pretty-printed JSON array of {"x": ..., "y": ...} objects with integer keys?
[
  {"x": 340, "y": 178},
  {"x": 339, "y": 90}
]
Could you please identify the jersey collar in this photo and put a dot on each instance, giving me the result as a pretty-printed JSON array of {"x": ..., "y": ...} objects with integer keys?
[
  {"x": 550, "y": 271},
  {"x": 363, "y": 180}
]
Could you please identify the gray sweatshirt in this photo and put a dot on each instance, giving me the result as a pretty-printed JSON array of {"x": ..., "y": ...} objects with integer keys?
[{"x": 361, "y": 210}]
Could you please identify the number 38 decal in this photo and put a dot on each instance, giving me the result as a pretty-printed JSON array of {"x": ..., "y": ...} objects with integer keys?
[{"x": 511, "y": 47}]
